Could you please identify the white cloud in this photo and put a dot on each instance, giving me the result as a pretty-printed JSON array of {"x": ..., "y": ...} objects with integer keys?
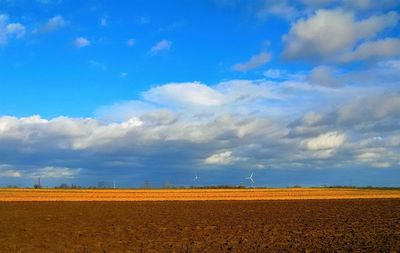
[
  {"x": 160, "y": 46},
  {"x": 254, "y": 62},
  {"x": 81, "y": 42},
  {"x": 52, "y": 24},
  {"x": 227, "y": 124},
  {"x": 280, "y": 8},
  {"x": 374, "y": 50},
  {"x": 228, "y": 95},
  {"x": 391, "y": 64},
  {"x": 195, "y": 94},
  {"x": 55, "y": 172},
  {"x": 274, "y": 73},
  {"x": 7, "y": 171},
  {"x": 358, "y": 5},
  {"x": 325, "y": 76},
  {"x": 282, "y": 74},
  {"x": 371, "y": 109},
  {"x": 223, "y": 158},
  {"x": 331, "y": 140},
  {"x": 376, "y": 157},
  {"x": 329, "y": 34},
  {"x": 371, "y": 4},
  {"x": 10, "y": 173},
  {"x": 10, "y": 30},
  {"x": 16, "y": 29}
]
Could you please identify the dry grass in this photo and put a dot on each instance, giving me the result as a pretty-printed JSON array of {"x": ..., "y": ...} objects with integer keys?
[{"x": 192, "y": 194}]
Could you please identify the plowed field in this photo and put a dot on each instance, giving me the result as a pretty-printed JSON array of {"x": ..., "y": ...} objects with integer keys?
[{"x": 339, "y": 225}]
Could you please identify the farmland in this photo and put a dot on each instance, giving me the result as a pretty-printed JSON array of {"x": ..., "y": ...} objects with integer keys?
[
  {"x": 198, "y": 220},
  {"x": 193, "y": 194},
  {"x": 347, "y": 225}
]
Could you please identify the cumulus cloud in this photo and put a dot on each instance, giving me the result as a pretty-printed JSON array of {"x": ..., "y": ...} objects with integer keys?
[
  {"x": 374, "y": 50},
  {"x": 9, "y": 172},
  {"x": 279, "y": 8},
  {"x": 368, "y": 113},
  {"x": 325, "y": 76},
  {"x": 10, "y": 30},
  {"x": 201, "y": 100},
  {"x": 227, "y": 125},
  {"x": 330, "y": 34},
  {"x": 16, "y": 29},
  {"x": 359, "y": 5},
  {"x": 224, "y": 158},
  {"x": 334, "y": 77},
  {"x": 361, "y": 132},
  {"x": 254, "y": 62},
  {"x": 184, "y": 94},
  {"x": 160, "y": 46},
  {"x": 52, "y": 24},
  {"x": 331, "y": 140},
  {"x": 55, "y": 172},
  {"x": 275, "y": 73},
  {"x": 81, "y": 42}
]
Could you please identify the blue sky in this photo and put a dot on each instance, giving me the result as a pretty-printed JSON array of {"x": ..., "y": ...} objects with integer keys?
[{"x": 298, "y": 92}]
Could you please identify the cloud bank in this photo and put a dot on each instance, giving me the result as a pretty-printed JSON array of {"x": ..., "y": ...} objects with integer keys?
[{"x": 187, "y": 127}]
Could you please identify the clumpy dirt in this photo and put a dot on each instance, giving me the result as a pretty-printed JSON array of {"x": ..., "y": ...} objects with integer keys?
[{"x": 202, "y": 226}]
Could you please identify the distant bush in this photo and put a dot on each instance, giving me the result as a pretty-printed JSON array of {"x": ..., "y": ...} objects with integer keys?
[
  {"x": 66, "y": 186},
  {"x": 219, "y": 187},
  {"x": 63, "y": 186}
]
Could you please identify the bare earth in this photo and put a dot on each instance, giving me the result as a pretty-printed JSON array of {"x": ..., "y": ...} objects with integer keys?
[{"x": 297, "y": 224}]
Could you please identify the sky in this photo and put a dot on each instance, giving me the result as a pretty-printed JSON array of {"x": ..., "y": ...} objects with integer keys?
[{"x": 297, "y": 92}]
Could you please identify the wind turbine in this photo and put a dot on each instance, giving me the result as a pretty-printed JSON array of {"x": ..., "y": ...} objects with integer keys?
[
  {"x": 195, "y": 178},
  {"x": 250, "y": 178}
]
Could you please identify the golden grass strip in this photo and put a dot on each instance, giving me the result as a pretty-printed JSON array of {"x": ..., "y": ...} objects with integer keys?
[{"x": 192, "y": 194}]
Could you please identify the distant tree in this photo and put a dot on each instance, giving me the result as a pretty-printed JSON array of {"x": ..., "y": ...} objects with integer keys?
[
  {"x": 74, "y": 186},
  {"x": 37, "y": 186},
  {"x": 63, "y": 186}
]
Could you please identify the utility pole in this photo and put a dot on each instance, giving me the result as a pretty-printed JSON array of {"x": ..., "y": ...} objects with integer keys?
[{"x": 38, "y": 184}]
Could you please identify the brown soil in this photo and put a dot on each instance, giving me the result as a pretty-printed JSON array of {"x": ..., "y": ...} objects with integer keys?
[{"x": 368, "y": 225}]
